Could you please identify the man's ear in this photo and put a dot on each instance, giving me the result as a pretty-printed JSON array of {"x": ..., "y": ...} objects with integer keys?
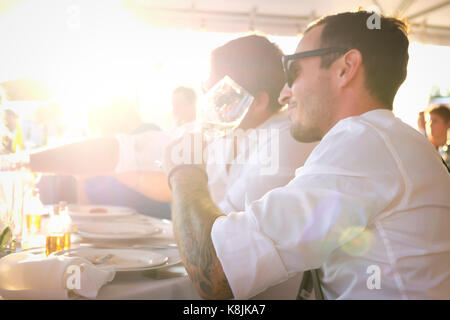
[{"x": 348, "y": 67}]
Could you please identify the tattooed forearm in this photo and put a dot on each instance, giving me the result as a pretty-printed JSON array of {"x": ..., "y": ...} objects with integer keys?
[{"x": 193, "y": 214}]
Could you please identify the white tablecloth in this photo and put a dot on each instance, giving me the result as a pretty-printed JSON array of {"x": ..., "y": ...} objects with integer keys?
[
  {"x": 145, "y": 285},
  {"x": 170, "y": 283},
  {"x": 173, "y": 283}
]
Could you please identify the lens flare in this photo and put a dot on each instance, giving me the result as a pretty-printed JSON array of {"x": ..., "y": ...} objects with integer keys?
[{"x": 357, "y": 241}]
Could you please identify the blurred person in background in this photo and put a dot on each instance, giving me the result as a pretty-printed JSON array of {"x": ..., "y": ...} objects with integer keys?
[
  {"x": 255, "y": 64},
  {"x": 12, "y": 136},
  {"x": 120, "y": 115},
  {"x": 439, "y": 124},
  {"x": 11, "y": 132},
  {"x": 184, "y": 105}
]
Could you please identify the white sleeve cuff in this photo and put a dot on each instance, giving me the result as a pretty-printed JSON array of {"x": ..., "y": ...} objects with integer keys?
[{"x": 249, "y": 258}]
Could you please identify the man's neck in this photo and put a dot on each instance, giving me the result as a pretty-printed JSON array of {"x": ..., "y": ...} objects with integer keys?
[{"x": 353, "y": 108}]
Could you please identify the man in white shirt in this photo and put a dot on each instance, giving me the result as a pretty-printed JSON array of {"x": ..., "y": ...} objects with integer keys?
[
  {"x": 371, "y": 205},
  {"x": 238, "y": 173}
]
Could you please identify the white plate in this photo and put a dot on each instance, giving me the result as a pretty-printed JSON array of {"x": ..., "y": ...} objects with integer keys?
[
  {"x": 106, "y": 211},
  {"x": 122, "y": 260},
  {"x": 116, "y": 230},
  {"x": 169, "y": 251}
]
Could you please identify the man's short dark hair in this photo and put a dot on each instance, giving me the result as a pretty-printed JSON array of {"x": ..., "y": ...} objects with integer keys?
[
  {"x": 187, "y": 92},
  {"x": 443, "y": 111},
  {"x": 384, "y": 51},
  {"x": 255, "y": 63}
]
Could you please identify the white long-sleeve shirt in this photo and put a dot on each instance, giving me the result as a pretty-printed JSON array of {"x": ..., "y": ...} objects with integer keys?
[{"x": 370, "y": 207}]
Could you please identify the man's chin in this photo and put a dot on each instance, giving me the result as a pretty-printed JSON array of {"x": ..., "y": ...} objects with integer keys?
[{"x": 305, "y": 135}]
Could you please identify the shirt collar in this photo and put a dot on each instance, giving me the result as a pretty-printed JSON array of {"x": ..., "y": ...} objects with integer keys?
[
  {"x": 378, "y": 113},
  {"x": 372, "y": 114}
]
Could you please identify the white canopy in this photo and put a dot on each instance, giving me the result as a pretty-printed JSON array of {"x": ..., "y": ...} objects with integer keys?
[{"x": 429, "y": 19}]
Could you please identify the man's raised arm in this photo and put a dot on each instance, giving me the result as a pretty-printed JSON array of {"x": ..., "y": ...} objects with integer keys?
[
  {"x": 91, "y": 156},
  {"x": 193, "y": 215}
]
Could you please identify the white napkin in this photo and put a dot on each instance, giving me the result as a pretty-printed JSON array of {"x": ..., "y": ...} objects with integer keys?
[{"x": 30, "y": 276}]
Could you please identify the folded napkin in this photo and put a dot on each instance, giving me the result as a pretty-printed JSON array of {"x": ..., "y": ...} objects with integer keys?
[{"x": 30, "y": 276}]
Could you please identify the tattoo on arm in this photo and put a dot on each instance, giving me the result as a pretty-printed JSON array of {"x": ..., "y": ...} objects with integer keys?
[{"x": 193, "y": 214}]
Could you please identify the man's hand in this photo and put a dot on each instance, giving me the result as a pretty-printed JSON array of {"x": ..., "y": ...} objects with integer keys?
[{"x": 193, "y": 215}]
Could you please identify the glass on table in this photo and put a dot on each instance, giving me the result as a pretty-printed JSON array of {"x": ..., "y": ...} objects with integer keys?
[
  {"x": 57, "y": 237},
  {"x": 67, "y": 222},
  {"x": 34, "y": 209},
  {"x": 33, "y": 223},
  {"x": 14, "y": 191},
  {"x": 54, "y": 242}
]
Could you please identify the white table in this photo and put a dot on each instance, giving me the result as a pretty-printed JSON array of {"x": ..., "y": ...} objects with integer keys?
[
  {"x": 173, "y": 283},
  {"x": 170, "y": 283}
]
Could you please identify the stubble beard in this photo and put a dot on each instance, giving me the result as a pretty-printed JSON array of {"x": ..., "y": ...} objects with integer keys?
[
  {"x": 304, "y": 134},
  {"x": 316, "y": 117},
  {"x": 309, "y": 128}
]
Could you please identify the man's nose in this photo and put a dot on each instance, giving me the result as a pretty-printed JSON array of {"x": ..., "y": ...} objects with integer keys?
[{"x": 285, "y": 95}]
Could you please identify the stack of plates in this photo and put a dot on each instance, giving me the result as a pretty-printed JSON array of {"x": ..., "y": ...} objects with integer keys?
[
  {"x": 119, "y": 223},
  {"x": 116, "y": 230},
  {"x": 99, "y": 211}
]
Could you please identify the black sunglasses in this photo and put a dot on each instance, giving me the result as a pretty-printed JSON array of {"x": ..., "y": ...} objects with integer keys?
[{"x": 291, "y": 74}]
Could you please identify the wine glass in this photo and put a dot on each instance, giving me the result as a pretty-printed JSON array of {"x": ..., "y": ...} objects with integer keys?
[
  {"x": 221, "y": 110},
  {"x": 223, "y": 107},
  {"x": 16, "y": 185}
]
